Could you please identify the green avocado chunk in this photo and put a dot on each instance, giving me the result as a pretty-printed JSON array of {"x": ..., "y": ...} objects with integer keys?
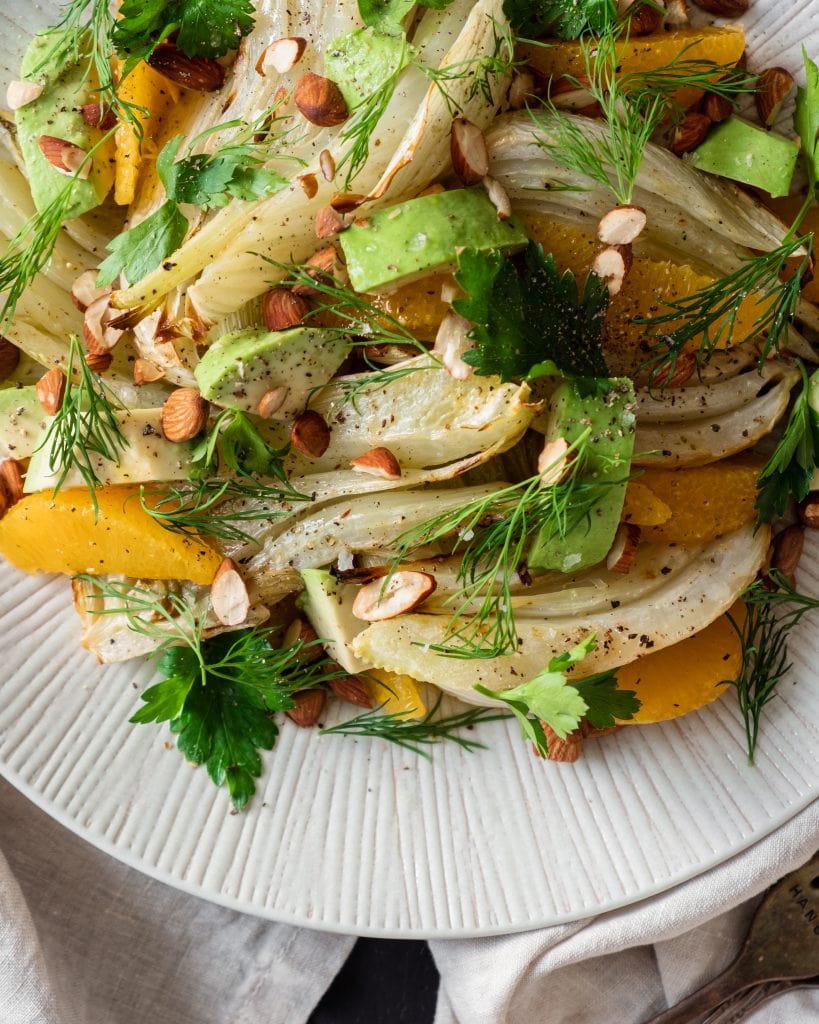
[
  {"x": 22, "y": 421},
  {"x": 328, "y": 605},
  {"x": 67, "y": 85},
  {"x": 607, "y": 406},
  {"x": 241, "y": 367},
  {"x": 362, "y": 61},
  {"x": 741, "y": 151},
  {"x": 395, "y": 245}
]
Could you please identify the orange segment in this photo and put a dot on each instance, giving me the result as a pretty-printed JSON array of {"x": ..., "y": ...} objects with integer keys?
[
  {"x": 686, "y": 675},
  {"x": 648, "y": 288},
  {"x": 145, "y": 88},
  {"x": 42, "y": 533},
  {"x": 642, "y": 506},
  {"x": 705, "y": 502},
  {"x": 418, "y": 306},
  {"x": 723, "y": 46},
  {"x": 398, "y": 693}
]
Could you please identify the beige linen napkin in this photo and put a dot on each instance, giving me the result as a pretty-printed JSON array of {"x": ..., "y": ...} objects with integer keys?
[{"x": 86, "y": 940}]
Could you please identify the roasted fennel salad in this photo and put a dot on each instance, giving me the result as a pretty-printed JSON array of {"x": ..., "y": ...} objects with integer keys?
[{"x": 369, "y": 345}]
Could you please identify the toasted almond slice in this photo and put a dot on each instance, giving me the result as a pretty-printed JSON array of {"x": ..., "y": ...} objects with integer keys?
[
  {"x": 51, "y": 390},
  {"x": 11, "y": 480},
  {"x": 84, "y": 290},
  {"x": 612, "y": 264},
  {"x": 96, "y": 115},
  {"x": 323, "y": 265},
  {"x": 327, "y": 165},
  {"x": 773, "y": 88},
  {"x": 310, "y": 434},
  {"x": 352, "y": 689},
  {"x": 717, "y": 108},
  {"x": 330, "y": 222},
  {"x": 281, "y": 56},
  {"x": 98, "y": 362},
  {"x": 787, "y": 550},
  {"x": 563, "y": 751},
  {"x": 621, "y": 225},
  {"x": 64, "y": 156},
  {"x": 451, "y": 341},
  {"x": 308, "y": 709},
  {"x": 404, "y": 591},
  {"x": 308, "y": 184},
  {"x": 809, "y": 511},
  {"x": 202, "y": 74},
  {"x": 145, "y": 372},
  {"x": 522, "y": 89},
  {"x": 553, "y": 462},
  {"x": 499, "y": 197},
  {"x": 691, "y": 131},
  {"x": 271, "y": 401},
  {"x": 683, "y": 370},
  {"x": 20, "y": 94},
  {"x": 724, "y": 8},
  {"x": 467, "y": 146},
  {"x": 676, "y": 13},
  {"x": 301, "y": 632},
  {"x": 229, "y": 598},
  {"x": 184, "y": 415},
  {"x": 320, "y": 101},
  {"x": 347, "y": 202},
  {"x": 624, "y": 548},
  {"x": 377, "y": 462},
  {"x": 99, "y": 335},
  {"x": 283, "y": 309}
]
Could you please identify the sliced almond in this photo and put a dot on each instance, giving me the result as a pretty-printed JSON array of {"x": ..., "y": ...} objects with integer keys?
[
  {"x": 330, "y": 222},
  {"x": 84, "y": 290},
  {"x": 324, "y": 265},
  {"x": 11, "y": 480},
  {"x": 310, "y": 434},
  {"x": 308, "y": 184},
  {"x": 65, "y": 157},
  {"x": 809, "y": 511},
  {"x": 563, "y": 751},
  {"x": 9, "y": 357},
  {"x": 679, "y": 373},
  {"x": 20, "y": 94},
  {"x": 96, "y": 115},
  {"x": 320, "y": 101},
  {"x": 553, "y": 462},
  {"x": 145, "y": 372},
  {"x": 388, "y": 354},
  {"x": 571, "y": 93},
  {"x": 624, "y": 549},
  {"x": 377, "y": 462},
  {"x": 51, "y": 390},
  {"x": 184, "y": 415},
  {"x": 499, "y": 197},
  {"x": 690, "y": 132},
  {"x": 283, "y": 309},
  {"x": 467, "y": 146},
  {"x": 676, "y": 13},
  {"x": 98, "y": 362},
  {"x": 99, "y": 335},
  {"x": 612, "y": 264},
  {"x": 451, "y": 341},
  {"x": 787, "y": 550},
  {"x": 773, "y": 87},
  {"x": 717, "y": 108},
  {"x": 404, "y": 591},
  {"x": 621, "y": 225},
  {"x": 644, "y": 19},
  {"x": 301, "y": 632},
  {"x": 271, "y": 401},
  {"x": 308, "y": 709},
  {"x": 327, "y": 165},
  {"x": 229, "y": 598},
  {"x": 522, "y": 89},
  {"x": 351, "y": 689},
  {"x": 281, "y": 56},
  {"x": 201, "y": 74}
]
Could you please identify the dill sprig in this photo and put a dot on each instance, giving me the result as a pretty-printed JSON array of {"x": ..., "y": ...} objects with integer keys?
[
  {"x": 770, "y": 617},
  {"x": 702, "y": 321},
  {"x": 415, "y": 734},
  {"x": 86, "y": 424},
  {"x": 214, "y": 508},
  {"x": 492, "y": 534}
]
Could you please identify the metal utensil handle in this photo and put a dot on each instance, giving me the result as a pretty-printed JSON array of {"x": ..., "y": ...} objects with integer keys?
[{"x": 694, "y": 1007}]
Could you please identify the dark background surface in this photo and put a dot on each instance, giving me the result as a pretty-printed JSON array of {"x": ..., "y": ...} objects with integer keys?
[{"x": 384, "y": 981}]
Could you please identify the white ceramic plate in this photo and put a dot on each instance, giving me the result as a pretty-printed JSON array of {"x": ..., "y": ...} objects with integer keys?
[{"x": 360, "y": 836}]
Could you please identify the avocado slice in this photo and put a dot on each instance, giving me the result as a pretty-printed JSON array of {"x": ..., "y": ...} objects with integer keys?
[
  {"x": 68, "y": 84},
  {"x": 362, "y": 61},
  {"x": 742, "y": 151},
  {"x": 147, "y": 457},
  {"x": 395, "y": 245},
  {"x": 22, "y": 422},
  {"x": 328, "y": 605},
  {"x": 607, "y": 406},
  {"x": 239, "y": 368}
]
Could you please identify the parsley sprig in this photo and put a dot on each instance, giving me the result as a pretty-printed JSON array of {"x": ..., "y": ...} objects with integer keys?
[
  {"x": 218, "y": 694},
  {"x": 549, "y": 698},
  {"x": 415, "y": 734},
  {"x": 85, "y": 425},
  {"x": 536, "y": 18},
  {"x": 771, "y": 616}
]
